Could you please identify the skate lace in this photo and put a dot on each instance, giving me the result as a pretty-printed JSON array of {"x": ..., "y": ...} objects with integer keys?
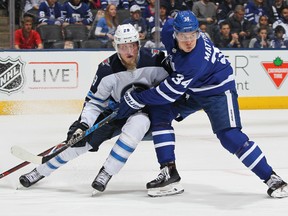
[
  {"x": 274, "y": 182},
  {"x": 33, "y": 176},
  {"x": 163, "y": 175},
  {"x": 103, "y": 177}
]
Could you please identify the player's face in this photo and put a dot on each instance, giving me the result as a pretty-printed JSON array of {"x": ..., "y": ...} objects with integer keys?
[
  {"x": 128, "y": 52},
  {"x": 187, "y": 40}
]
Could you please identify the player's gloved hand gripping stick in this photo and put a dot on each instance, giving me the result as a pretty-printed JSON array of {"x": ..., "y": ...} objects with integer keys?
[{"x": 21, "y": 153}]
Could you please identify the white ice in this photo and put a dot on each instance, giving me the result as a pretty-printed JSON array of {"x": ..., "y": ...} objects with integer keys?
[{"x": 216, "y": 183}]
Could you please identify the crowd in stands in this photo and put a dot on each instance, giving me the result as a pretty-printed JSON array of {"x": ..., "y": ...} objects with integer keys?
[{"x": 228, "y": 23}]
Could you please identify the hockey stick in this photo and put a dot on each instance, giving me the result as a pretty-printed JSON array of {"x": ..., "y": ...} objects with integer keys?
[
  {"x": 27, "y": 156},
  {"x": 19, "y": 166}
]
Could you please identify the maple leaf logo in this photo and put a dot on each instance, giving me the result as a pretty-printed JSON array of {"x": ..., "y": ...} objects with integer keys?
[
  {"x": 277, "y": 70},
  {"x": 278, "y": 61}
]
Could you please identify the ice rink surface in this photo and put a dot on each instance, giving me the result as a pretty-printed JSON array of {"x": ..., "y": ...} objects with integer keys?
[{"x": 215, "y": 182}]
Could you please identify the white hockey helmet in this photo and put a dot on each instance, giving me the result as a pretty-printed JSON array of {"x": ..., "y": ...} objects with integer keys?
[{"x": 125, "y": 33}]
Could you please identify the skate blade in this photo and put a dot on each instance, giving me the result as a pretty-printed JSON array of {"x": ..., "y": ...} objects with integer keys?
[
  {"x": 20, "y": 187},
  {"x": 168, "y": 190},
  {"x": 95, "y": 193},
  {"x": 280, "y": 192}
]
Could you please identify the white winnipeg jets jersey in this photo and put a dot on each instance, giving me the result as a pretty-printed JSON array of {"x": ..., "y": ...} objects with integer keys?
[{"x": 112, "y": 80}]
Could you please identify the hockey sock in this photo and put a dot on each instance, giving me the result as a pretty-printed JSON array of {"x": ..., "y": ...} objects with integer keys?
[
  {"x": 70, "y": 153},
  {"x": 119, "y": 154},
  {"x": 252, "y": 157},
  {"x": 132, "y": 133},
  {"x": 164, "y": 143}
]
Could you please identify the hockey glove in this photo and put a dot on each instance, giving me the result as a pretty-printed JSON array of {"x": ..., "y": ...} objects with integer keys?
[
  {"x": 128, "y": 105},
  {"x": 75, "y": 130}
]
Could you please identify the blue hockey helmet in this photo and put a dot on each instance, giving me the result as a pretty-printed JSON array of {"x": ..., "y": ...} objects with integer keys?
[{"x": 185, "y": 21}]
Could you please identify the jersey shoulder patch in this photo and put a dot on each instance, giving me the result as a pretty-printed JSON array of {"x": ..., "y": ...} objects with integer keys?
[{"x": 106, "y": 62}]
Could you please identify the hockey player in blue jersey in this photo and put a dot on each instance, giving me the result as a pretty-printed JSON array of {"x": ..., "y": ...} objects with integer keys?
[
  {"x": 131, "y": 67},
  {"x": 76, "y": 12},
  {"x": 202, "y": 73}
]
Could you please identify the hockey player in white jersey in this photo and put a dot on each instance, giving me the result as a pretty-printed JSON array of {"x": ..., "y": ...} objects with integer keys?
[
  {"x": 202, "y": 73},
  {"x": 130, "y": 68}
]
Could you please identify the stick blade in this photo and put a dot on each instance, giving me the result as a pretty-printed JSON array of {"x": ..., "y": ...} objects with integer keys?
[{"x": 21, "y": 153}]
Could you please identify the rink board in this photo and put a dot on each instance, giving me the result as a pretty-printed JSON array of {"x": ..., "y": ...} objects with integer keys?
[{"x": 58, "y": 81}]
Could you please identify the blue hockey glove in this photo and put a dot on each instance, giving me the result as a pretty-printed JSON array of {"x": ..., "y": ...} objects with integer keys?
[
  {"x": 75, "y": 130},
  {"x": 128, "y": 105}
]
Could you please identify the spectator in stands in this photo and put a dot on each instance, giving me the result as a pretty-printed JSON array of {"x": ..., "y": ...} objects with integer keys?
[
  {"x": 176, "y": 5},
  {"x": 275, "y": 10},
  {"x": 225, "y": 39},
  {"x": 3, "y": 4},
  {"x": 120, "y": 4},
  {"x": 141, "y": 3},
  {"x": 151, "y": 43},
  {"x": 254, "y": 9},
  {"x": 189, "y": 4},
  {"x": 263, "y": 21},
  {"x": 93, "y": 4},
  {"x": 32, "y": 6},
  {"x": 225, "y": 9},
  {"x": 260, "y": 41},
  {"x": 163, "y": 16},
  {"x": 76, "y": 12},
  {"x": 203, "y": 28},
  {"x": 26, "y": 37},
  {"x": 241, "y": 26},
  {"x": 100, "y": 13},
  {"x": 50, "y": 13},
  {"x": 279, "y": 41},
  {"x": 106, "y": 27},
  {"x": 149, "y": 10},
  {"x": 283, "y": 21},
  {"x": 137, "y": 21},
  {"x": 205, "y": 11}
]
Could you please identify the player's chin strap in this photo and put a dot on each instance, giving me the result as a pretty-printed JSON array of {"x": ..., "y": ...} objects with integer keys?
[{"x": 29, "y": 157}]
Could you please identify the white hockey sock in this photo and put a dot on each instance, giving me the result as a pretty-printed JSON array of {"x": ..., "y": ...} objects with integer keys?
[
  {"x": 119, "y": 154},
  {"x": 70, "y": 153}
]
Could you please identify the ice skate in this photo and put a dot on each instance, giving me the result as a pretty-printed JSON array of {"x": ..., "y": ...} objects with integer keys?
[
  {"x": 277, "y": 187},
  {"x": 30, "y": 178},
  {"x": 101, "y": 181},
  {"x": 167, "y": 183}
]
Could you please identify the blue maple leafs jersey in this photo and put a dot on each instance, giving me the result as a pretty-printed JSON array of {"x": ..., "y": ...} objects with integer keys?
[
  {"x": 80, "y": 13},
  {"x": 112, "y": 80},
  {"x": 204, "y": 71},
  {"x": 49, "y": 14}
]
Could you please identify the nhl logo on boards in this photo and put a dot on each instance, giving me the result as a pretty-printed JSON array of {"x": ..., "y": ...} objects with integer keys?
[
  {"x": 11, "y": 75},
  {"x": 277, "y": 70}
]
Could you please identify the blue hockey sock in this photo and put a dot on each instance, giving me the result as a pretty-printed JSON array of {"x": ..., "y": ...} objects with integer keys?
[
  {"x": 252, "y": 157},
  {"x": 164, "y": 143}
]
